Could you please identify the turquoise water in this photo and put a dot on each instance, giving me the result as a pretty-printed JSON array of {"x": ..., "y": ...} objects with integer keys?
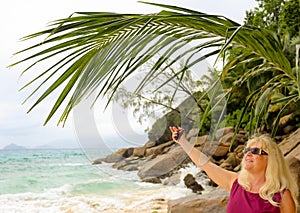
[
  {"x": 40, "y": 170},
  {"x": 65, "y": 181}
]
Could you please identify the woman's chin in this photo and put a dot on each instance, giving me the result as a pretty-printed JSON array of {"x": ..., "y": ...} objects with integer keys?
[{"x": 248, "y": 166}]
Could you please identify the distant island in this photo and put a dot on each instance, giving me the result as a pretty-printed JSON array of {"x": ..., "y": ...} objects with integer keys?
[
  {"x": 13, "y": 146},
  {"x": 60, "y": 144}
]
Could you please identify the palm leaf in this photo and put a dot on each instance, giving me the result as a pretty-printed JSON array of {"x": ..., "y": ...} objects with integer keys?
[{"x": 98, "y": 51}]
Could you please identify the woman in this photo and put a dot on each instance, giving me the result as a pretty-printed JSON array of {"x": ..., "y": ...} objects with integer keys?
[{"x": 264, "y": 183}]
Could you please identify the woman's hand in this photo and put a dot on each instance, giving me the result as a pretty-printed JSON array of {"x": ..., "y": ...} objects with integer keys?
[{"x": 178, "y": 134}]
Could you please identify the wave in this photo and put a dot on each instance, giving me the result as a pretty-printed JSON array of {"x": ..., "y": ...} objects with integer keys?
[
  {"x": 40, "y": 186},
  {"x": 64, "y": 200}
]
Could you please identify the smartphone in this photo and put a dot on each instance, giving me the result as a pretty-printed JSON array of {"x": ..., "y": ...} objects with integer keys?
[{"x": 179, "y": 134}]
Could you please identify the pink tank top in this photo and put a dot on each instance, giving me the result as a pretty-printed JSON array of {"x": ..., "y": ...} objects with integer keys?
[{"x": 243, "y": 201}]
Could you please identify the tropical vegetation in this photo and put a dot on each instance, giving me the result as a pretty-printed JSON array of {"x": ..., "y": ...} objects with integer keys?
[{"x": 254, "y": 83}]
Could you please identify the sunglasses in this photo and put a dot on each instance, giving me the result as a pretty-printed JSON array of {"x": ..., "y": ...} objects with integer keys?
[{"x": 255, "y": 151}]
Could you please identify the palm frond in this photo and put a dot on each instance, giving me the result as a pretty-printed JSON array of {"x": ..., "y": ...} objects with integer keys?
[{"x": 98, "y": 51}]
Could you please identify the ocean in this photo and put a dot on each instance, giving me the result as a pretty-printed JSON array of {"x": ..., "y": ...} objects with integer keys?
[{"x": 65, "y": 181}]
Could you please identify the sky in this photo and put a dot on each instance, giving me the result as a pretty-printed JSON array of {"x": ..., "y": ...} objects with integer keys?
[{"x": 20, "y": 18}]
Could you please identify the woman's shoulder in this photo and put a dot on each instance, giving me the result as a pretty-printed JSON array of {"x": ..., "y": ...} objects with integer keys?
[
  {"x": 287, "y": 203},
  {"x": 234, "y": 183}
]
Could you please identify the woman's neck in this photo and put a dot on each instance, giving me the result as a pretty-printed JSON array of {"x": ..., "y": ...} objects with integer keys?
[{"x": 256, "y": 182}]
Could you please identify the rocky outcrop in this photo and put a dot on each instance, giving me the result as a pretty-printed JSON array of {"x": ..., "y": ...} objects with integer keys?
[
  {"x": 116, "y": 156},
  {"x": 290, "y": 147},
  {"x": 214, "y": 201},
  {"x": 160, "y": 162}
]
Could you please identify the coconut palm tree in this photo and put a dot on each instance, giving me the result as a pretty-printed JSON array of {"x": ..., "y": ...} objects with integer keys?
[{"x": 96, "y": 52}]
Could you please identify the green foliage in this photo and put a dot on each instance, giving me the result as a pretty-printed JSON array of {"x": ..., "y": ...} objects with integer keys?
[
  {"x": 266, "y": 14},
  {"x": 97, "y": 52},
  {"x": 290, "y": 18},
  {"x": 277, "y": 15},
  {"x": 233, "y": 117},
  {"x": 283, "y": 18}
]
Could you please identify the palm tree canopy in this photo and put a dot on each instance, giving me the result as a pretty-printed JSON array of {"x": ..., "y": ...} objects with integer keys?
[{"x": 97, "y": 51}]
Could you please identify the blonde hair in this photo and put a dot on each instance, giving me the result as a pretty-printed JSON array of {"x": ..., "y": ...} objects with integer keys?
[{"x": 278, "y": 175}]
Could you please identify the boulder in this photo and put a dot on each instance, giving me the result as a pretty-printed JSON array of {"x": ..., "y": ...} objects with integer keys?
[
  {"x": 200, "y": 140},
  {"x": 239, "y": 150},
  {"x": 291, "y": 142},
  {"x": 215, "y": 149},
  {"x": 162, "y": 164},
  {"x": 127, "y": 164},
  {"x": 224, "y": 131},
  {"x": 192, "y": 133},
  {"x": 139, "y": 151},
  {"x": 172, "y": 180},
  {"x": 116, "y": 156},
  {"x": 290, "y": 147},
  {"x": 191, "y": 183},
  {"x": 230, "y": 162},
  {"x": 150, "y": 144},
  {"x": 97, "y": 161},
  {"x": 239, "y": 139},
  {"x": 293, "y": 160},
  {"x": 214, "y": 201},
  {"x": 111, "y": 158},
  {"x": 226, "y": 139},
  {"x": 156, "y": 150}
]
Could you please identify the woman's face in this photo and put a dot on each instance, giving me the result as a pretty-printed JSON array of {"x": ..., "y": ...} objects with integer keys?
[{"x": 255, "y": 163}]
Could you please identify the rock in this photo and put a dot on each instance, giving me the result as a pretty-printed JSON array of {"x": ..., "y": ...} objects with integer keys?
[
  {"x": 288, "y": 129},
  {"x": 192, "y": 133},
  {"x": 214, "y": 201},
  {"x": 112, "y": 158},
  {"x": 130, "y": 168},
  {"x": 227, "y": 139},
  {"x": 239, "y": 150},
  {"x": 289, "y": 143},
  {"x": 117, "y": 156},
  {"x": 290, "y": 147},
  {"x": 150, "y": 144},
  {"x": 156, "y": 150},
  {"x": 172, "y": 180},
  {"x": 230, "y": 162},
  {"x": 241, "y": 138},
  {"x": 127, "y": 152},
  {"x": 244, "y": 132},
  {"x": 215, "y": 149},
  {"x": 139, "y": 151},
  {"x": 97, "y": 161},
  {"x": 224, "y": 131},
  {"x": 211, "y": 183},
  {"x": 200, "y": 140},
  {"x": 153, "y": 180},
  {"x": 191, "y": 183},
  {"x": 126, "y": 165},
  {"x": 293, "y": 160},
  {"x": 162, "y": 164}
]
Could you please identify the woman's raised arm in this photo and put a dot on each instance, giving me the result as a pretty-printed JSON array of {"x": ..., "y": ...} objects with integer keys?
[{"x": 220, "y": 176}]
